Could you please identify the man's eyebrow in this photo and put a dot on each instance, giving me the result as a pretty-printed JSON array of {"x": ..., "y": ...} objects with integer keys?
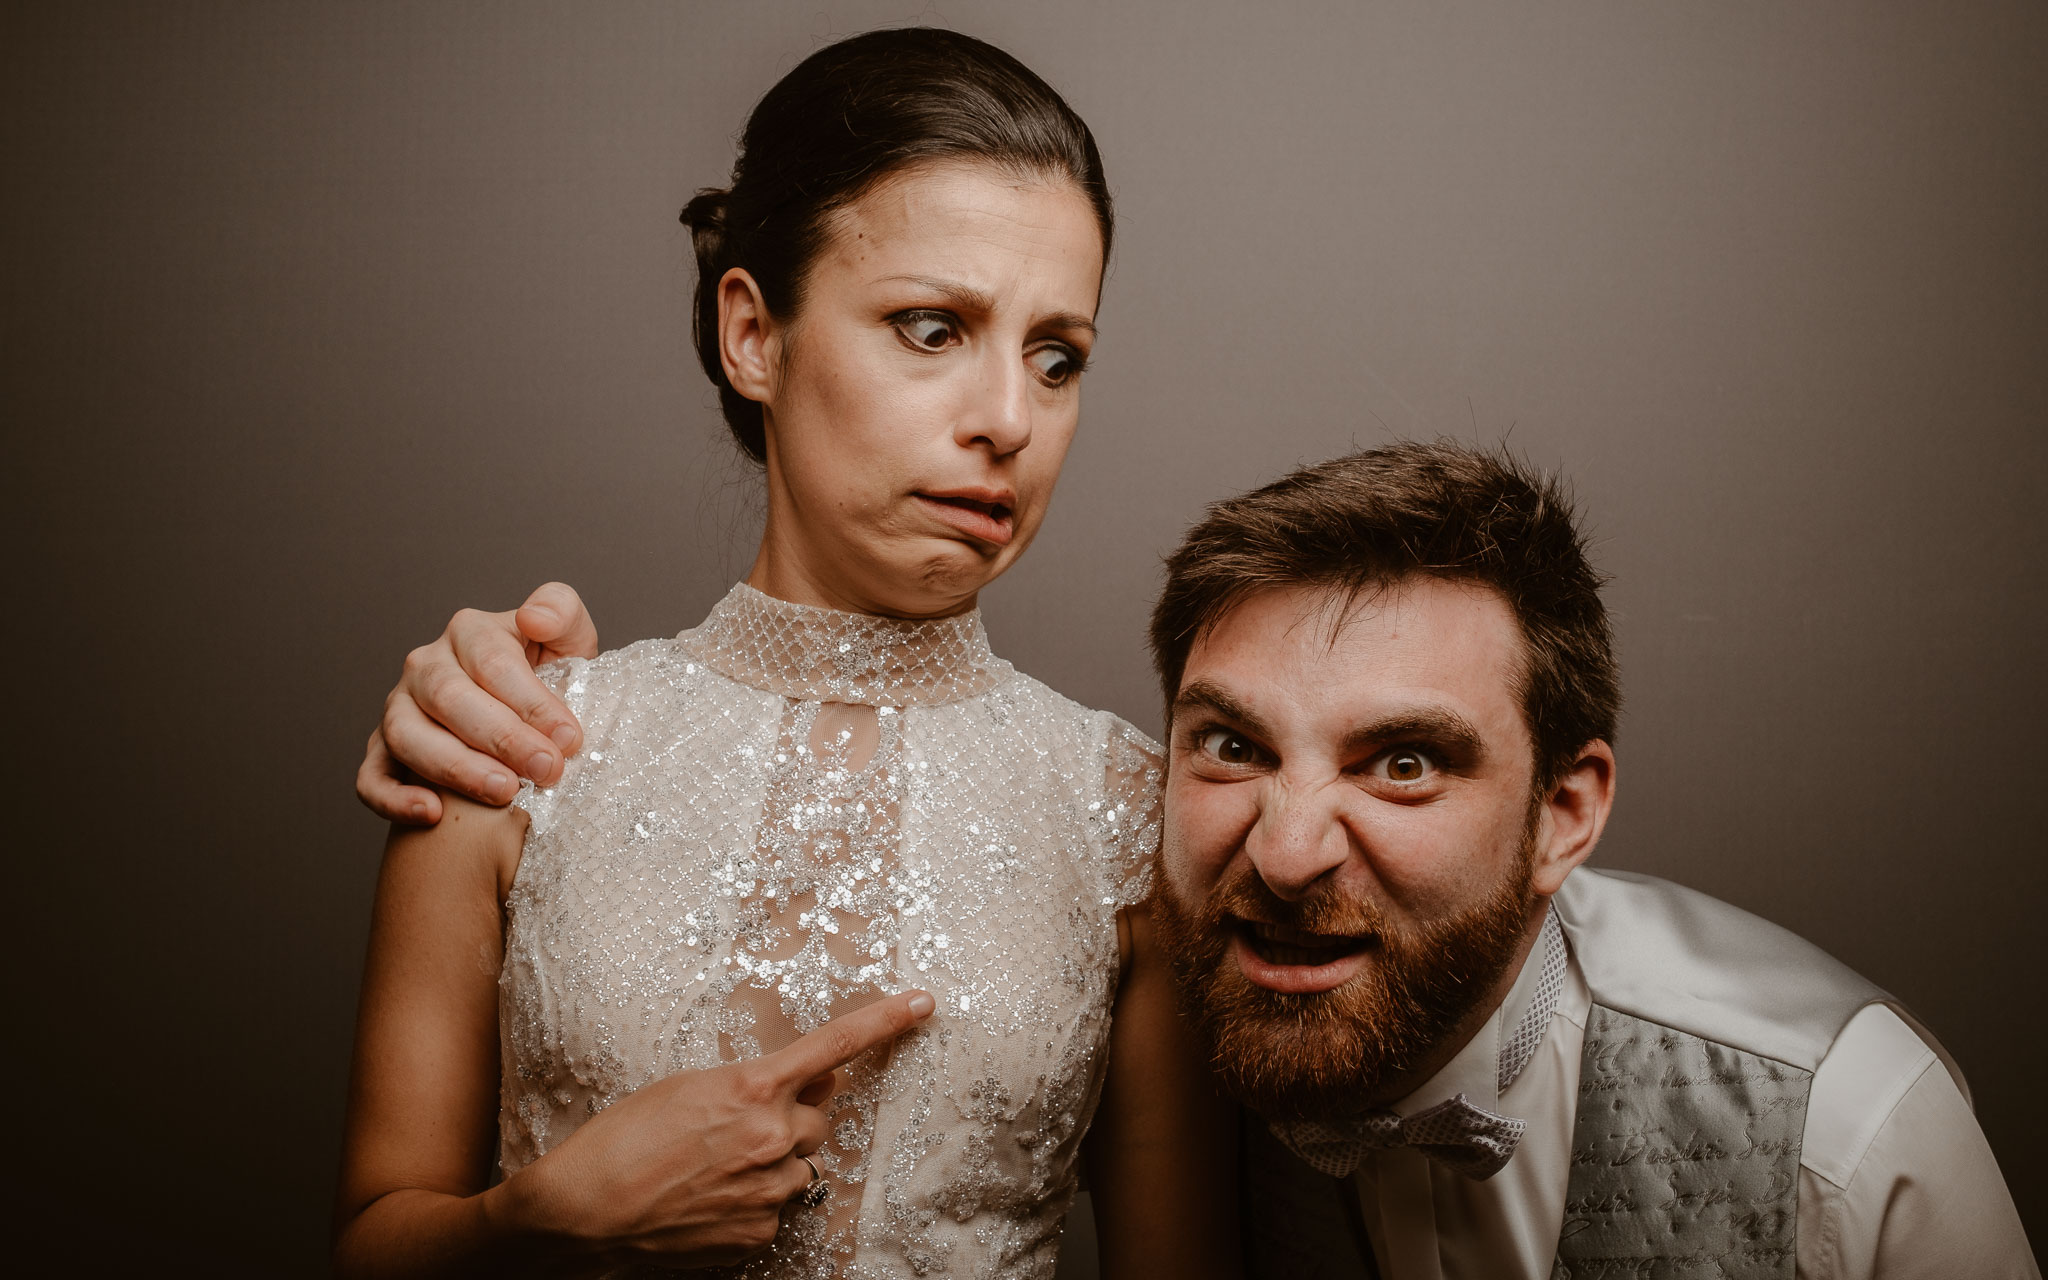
[
  {"x": 969, "y": 298},
  {"x": 1207, "y": 695},
  {"x": 1439, "y": 726}
]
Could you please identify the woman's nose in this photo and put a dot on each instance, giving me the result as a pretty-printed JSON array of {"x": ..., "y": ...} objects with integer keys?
[
  {"x": 1000, "y": 417},
  {"x": 1298, "y": 838}
]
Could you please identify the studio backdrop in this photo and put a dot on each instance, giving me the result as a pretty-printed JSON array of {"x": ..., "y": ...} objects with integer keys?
[{"x": 325, "y": 320}]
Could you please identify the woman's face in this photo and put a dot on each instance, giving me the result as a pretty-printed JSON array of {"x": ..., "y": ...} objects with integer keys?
[{"x": 919, "y": 405}]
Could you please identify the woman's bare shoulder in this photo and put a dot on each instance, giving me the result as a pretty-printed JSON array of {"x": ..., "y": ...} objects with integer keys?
[{"x": 474, "y": 846}]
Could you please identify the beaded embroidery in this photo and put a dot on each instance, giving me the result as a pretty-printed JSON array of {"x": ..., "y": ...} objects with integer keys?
[{"x": 780, "y": 815}]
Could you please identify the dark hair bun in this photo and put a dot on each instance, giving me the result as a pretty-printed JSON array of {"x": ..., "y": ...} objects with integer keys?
[
  {"x": 705, "y": 214},
  {"x": 845, "y": 117}
]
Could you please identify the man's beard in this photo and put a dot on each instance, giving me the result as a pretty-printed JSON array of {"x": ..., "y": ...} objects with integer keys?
[{"x": 1326, "y": 1053}]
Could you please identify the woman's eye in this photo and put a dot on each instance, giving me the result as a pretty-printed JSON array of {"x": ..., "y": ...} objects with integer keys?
[
  {"x": 1054, "y": 365},
  {"x": 1405, "y": 765},
  {"x": 1228, "y": 747},
  {"x": 927, "y": 330}
]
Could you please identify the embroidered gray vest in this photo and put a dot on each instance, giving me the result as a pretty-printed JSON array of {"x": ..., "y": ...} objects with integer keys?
[{"x": 1707, "y": 1023}]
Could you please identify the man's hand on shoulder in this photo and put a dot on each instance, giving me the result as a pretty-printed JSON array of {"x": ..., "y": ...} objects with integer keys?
[{"x": 469, "y": 715}]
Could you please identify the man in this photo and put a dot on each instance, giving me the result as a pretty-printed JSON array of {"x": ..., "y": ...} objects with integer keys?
[
  {"x": 1392, "y": 697},
  {"x": 1392, "y": 700}
]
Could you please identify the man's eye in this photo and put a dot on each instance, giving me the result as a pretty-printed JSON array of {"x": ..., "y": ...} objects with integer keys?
[
  {"x": 1054, "y": 365},
  {"x": 1405, "y": 765},
  {"x": 1228, "y": 747},
  {"x": 927, "y": 330}
]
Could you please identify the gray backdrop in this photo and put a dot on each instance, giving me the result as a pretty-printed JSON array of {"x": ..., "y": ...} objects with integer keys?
[{"x": 322, "y": 321}]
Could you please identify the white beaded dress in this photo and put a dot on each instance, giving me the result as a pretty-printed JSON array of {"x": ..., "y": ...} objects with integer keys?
[{"x": 780, "y": 815}]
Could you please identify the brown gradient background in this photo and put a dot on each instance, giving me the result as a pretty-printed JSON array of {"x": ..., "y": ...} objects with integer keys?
[{"x": 322, "y": 321}]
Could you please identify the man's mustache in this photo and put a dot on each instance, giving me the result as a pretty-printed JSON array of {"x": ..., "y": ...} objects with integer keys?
[{"x": 1244, "y": 895}]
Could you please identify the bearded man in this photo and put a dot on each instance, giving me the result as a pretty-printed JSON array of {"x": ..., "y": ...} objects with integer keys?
[{"x": 1392, "y": 700}]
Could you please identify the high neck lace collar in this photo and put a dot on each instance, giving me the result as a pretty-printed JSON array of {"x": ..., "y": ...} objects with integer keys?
[{"x": 823, "y": 655}]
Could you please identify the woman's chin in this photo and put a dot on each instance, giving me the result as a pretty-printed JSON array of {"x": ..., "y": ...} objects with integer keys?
[{"x": 942, "y": 578}]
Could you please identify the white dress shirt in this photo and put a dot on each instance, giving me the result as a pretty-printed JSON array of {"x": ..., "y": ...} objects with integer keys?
[{"x": 1895, "y": 1178}]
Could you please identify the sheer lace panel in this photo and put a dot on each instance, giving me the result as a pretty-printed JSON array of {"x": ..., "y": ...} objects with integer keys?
[{"x": 818, "y": 934}]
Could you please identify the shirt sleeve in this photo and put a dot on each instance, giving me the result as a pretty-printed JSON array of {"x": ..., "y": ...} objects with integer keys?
[
  {"x": 1896, "y": 1181},
  {"x": 1128, "y": 819}
]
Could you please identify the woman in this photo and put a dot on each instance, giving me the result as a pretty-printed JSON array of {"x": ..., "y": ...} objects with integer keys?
[{"x": 649, "y": 971}]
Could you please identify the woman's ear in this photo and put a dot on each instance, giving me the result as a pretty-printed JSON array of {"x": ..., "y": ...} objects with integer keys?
[
  {"x": 747, "y": 336},
  {"x": 1573, "y": 817}
]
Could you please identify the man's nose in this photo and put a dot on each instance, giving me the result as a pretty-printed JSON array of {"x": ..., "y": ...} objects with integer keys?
[
  {"x": 1000, "y": 417},
  {"x": 1298, "y": 838}
]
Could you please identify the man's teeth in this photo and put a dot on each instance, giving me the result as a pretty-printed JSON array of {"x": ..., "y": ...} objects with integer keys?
[
  {"x": 1286, "y": 946},
  {"x": 1280, "y": 954}
]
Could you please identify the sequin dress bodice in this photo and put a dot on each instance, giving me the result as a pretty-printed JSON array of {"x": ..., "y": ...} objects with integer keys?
[{"x": 779, "y": 816}]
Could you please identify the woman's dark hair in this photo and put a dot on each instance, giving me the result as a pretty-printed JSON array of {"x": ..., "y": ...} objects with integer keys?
[{"x": 846, "y": 117}]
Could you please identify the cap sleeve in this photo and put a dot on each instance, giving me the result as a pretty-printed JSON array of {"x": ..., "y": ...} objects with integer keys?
[
  {"x": 1134, "y": 776},
  {"x": 568, "y": 679}
]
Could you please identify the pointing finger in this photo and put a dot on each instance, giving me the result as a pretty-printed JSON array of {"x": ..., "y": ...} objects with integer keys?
[
  {"x": 819, "y": 1091},
  {"x": 848, "y": 1036}
]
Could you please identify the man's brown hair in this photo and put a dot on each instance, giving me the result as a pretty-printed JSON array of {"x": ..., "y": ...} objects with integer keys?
[{"x": 1364, "y": 522}]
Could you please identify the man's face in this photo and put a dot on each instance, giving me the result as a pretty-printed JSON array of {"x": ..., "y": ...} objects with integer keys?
[{"x": 1353, "y": 855}]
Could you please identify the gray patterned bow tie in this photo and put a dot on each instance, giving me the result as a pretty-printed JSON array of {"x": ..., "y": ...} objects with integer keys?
[{"x": 1458, "y": 1134}]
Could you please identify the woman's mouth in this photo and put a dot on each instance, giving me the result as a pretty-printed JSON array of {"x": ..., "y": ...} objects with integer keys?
[
  {"x": 984, "y": 516},
  {"x": 1296, "y": 961}
]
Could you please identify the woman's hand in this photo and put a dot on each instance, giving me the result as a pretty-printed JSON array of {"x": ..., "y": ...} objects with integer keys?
[
  {"x": 469, "y": 715},
  {"x": 695, "y": 1170}
]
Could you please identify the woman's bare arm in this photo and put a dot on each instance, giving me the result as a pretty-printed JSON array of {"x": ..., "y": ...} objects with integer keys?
[
  {"x": 423, "y": 1094},
  {"x": 692, "y": 1170},
  {"x": 1162, "y": 1155}
]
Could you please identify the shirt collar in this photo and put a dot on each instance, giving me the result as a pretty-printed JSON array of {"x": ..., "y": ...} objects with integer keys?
[{"x": 1476, "y": 1069}]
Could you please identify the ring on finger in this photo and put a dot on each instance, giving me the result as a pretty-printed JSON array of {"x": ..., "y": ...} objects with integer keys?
[{"x": 816, "y": 1190}]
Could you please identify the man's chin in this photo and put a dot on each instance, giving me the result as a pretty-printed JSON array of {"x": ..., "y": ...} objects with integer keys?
[{"x": 1287, "y": 1054}]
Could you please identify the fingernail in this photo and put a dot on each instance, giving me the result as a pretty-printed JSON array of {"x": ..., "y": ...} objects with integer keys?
[
  {"x": 538, "y": 767},
  {"x": 498, "y": 784},
  {"x": 419, "y": 810},
  {"x": 922, "y": 1004},
  {"x": 564, "y": 737}
]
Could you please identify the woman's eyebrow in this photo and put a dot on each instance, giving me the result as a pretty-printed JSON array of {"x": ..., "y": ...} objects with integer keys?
[
  {"x": 968, "y": 298},
  {"x": 964, "y": 296}
]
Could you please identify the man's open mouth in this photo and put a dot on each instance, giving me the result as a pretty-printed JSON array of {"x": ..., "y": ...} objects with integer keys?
[{"x": 1278, "y": 944}]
